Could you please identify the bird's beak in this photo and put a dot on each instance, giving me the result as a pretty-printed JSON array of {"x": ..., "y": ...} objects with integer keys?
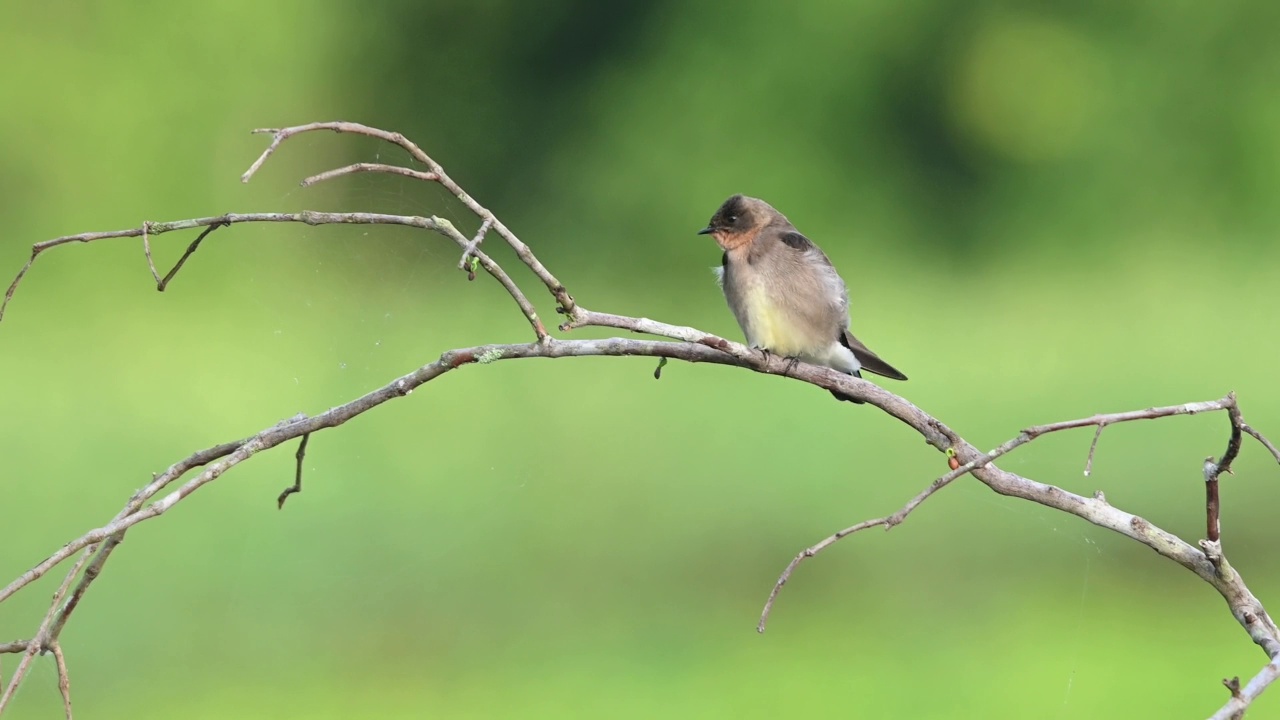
[{"x": 706, "y": 231}]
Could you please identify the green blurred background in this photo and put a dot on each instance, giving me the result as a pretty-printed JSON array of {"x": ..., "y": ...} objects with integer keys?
[{"x": 1043, "y": 211}]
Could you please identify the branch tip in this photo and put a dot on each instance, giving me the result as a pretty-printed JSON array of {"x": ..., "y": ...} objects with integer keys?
[{"x": 1233, "y": 685}]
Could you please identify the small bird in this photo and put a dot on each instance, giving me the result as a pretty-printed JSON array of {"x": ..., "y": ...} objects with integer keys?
[{"x": 785, "y": 293}]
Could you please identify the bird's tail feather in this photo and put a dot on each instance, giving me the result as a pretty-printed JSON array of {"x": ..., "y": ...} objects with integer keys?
[{"x": 869, "y": 360}]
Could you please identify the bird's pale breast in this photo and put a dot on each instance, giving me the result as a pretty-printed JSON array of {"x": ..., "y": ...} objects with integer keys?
[
  {"x": 770, "y": 326},
  {"x": 777, "y": 314}
]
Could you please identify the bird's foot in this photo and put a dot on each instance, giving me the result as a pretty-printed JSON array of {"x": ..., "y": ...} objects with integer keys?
[
  {"x": 791, "y": 364},
  {"x": 768, "y": 355}
]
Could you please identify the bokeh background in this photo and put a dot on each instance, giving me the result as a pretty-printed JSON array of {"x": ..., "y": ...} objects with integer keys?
[{"x": 1043, "y": 210}]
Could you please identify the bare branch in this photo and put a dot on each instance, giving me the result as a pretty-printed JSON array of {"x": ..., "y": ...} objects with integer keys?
[
  {"x": 437, "y": 174},
  {"x": 1233, "y": 442},
  {"x": 148, "y": 229},
  {"x": 64, "y": 679},
  {"x": 1212, "y": 504},
  {"x": 1238, "y": 425},
  {"x": 369, "y": 167},
  {"x": 308, "y": 217},
  {"x": 1241, "y": 698},
  {"x": 1093, "y": 447},
  {"x": 558, "y": 291},
  {"x": 296, "y": 487},
  {"x": 1275, "y": 452},
  {"x": 1112, "y": 418},
  {"x": 146, "y": 250},
  {"x": 1217, "y": 572},
  {"x": 469, "y": 251},
  {"x": 223, "y": 457},
  {"x": 888, "y": 521},
  {"x": 685, "y": 343},
  {"x": 38, "y": 643},
  {"x": 91, "y": 573},
  {"x": 191, "y": 249}
]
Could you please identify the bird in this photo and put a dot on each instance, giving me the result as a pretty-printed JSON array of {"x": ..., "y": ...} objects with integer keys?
[{"x": 785, "y": 293}]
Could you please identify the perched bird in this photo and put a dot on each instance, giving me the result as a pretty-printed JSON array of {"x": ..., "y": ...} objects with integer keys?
[{"x": 785, "y": 293}]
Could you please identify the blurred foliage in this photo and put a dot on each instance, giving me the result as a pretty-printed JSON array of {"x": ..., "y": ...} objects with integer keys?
[{"x": 1043, "y": 211}]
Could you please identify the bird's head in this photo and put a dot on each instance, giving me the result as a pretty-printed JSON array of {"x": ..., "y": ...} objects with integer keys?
[{"x": 738, "y": 220}]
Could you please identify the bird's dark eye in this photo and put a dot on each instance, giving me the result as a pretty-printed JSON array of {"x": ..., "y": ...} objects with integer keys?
[{"x": 733, "y": 219}]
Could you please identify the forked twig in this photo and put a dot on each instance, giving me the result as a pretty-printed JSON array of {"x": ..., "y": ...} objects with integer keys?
[
  {"x": 40, "y": 641},
  {"x": 1227, "y": 403},
  {"x": 279, "y": 135}
]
